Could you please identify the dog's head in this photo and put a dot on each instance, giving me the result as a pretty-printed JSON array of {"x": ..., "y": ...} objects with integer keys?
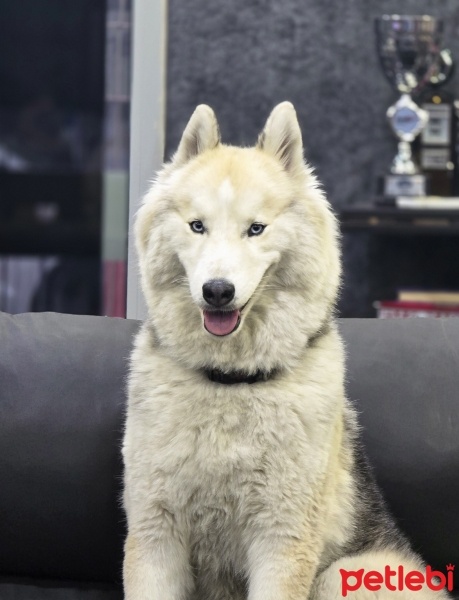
[{"x": 238, "y": 248}]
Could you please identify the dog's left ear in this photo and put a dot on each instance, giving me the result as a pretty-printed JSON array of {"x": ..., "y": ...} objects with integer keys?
[
  {"x": 200, "y": 134},
  {"x": 281, "y": 137}
]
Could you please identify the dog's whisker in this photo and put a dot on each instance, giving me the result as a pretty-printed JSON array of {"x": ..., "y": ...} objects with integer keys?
[{"x": 181, "y": 280}]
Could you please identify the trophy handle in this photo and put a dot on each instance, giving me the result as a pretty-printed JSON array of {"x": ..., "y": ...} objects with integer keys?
[{"x": 445, "y": 69}]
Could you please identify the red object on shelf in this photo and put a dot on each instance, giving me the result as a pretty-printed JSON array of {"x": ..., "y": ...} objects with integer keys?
[{"x": 396, "y": 309}]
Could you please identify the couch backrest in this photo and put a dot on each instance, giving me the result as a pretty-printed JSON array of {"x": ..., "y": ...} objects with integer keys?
[
  {"x": 62, "y": 390},
  {"x": 403, "y": 375}
]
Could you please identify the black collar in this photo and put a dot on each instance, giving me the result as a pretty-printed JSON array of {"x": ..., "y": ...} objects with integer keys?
[
  {"x": 218, "y": 376},
  {"x": 232, "y": 377}
]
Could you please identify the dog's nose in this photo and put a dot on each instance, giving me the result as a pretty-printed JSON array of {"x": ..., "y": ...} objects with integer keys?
[{"x": 218, "y": 292}]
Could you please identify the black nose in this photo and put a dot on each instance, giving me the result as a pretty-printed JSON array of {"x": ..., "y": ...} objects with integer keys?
[{"x": 218, "y": 292}]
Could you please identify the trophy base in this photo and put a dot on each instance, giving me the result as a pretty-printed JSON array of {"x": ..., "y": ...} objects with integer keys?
[{"x": 394, "y": 184}]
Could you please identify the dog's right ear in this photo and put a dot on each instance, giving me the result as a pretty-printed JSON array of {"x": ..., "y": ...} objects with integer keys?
[{"x": 200, "y": 134}]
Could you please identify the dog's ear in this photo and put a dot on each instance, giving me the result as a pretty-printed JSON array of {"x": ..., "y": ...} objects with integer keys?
[
  {"x": 200, "y": 134},
  {"x": 281, "y": 137}
]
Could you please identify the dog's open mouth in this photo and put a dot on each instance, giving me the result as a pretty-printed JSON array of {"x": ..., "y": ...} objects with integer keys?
[{"x": 221, "y": 322}]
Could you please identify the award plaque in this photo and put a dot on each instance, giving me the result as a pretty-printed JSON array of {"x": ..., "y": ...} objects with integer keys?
[{"x": 436, "y": 146}]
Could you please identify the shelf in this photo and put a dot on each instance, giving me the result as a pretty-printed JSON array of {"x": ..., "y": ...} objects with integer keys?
[{"x": 391, "y": 220}]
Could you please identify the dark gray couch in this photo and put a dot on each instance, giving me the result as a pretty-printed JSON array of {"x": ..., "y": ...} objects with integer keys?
[{"x": 62, "y": 392}]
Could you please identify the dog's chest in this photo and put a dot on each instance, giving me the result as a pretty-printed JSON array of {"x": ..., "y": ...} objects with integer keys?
[
  {"x": 225, "y": 464},
  {"x": 214, "y": 450},
  {"x": 222, "y": 469},
  {"x": 219, "y": 459}
]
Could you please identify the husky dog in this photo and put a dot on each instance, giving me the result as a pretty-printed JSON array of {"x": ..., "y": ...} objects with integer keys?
[{"x": 244, "y": 476}]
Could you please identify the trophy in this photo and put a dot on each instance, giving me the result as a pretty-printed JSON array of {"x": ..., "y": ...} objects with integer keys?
[{"x": 412, "y": 58}]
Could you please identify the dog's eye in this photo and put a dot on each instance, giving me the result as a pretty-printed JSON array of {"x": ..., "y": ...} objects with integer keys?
[
  {"x": 256, "y": 229},
  {"x": 197, "y": 226}
]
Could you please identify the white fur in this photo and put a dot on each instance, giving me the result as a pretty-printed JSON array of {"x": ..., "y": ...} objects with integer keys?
[{"x": 227, "y": 484}]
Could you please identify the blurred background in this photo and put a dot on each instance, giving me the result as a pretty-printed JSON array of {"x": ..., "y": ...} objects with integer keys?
[
  {"x": 64, "y": 155},
  {"x": 64, "y": 138}
]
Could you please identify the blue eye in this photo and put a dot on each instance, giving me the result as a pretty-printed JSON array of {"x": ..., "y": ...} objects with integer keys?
[
  {"x": 256, "y": 229},
  {"x": 197, "y": 226}
]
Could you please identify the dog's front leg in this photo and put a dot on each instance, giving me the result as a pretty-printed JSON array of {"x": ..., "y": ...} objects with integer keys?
[
  {"x": 156, "y": 570},
  {"x": 281, "y": 568}
]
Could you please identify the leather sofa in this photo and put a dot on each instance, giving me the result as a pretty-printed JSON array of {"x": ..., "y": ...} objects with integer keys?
[{"x": 62, "y": 394}]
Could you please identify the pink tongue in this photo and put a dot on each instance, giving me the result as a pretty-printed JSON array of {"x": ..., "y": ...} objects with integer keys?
[{"x": 221, "y": 322}]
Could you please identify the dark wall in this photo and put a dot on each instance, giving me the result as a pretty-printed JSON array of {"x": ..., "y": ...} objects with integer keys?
[
  {"x": 244, "y": 56},
  {"x": 52, "y": 48}
]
